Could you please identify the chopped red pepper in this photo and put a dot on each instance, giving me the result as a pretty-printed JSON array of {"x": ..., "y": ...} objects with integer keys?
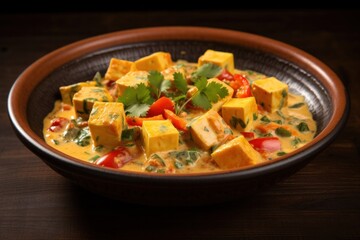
[
  {"x": 225, "y": 75},
  {"x": 177, "y": 121},
  {"x": 57, "y": 124},
  {"x": 241, "y": 86},
  {"x": 248, "y": 135},
  {"x": 115, "y": 159},
  {"x": 159, "y": 106},
  {"x": 266, "y": 144}
]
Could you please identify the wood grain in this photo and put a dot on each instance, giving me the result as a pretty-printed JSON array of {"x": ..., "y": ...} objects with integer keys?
[{"x": 320, "y": 201}]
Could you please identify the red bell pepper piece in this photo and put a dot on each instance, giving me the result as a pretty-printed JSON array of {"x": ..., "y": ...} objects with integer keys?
[
  {"x": 159, "y": 106},
  {"x": 241, "y": 86},
  {"x": 57, "y": 124},
  {"x": 177, "y": 121},
  {"x": 248, "y": 135},
  {"x": 114, "y": 159},
  {"x": 266, "y": 144},
  {"x": 225, "y": 75}
]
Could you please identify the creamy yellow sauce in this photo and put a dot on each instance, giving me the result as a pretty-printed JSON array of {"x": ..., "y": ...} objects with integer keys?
[{"x": 289, "y": 118}]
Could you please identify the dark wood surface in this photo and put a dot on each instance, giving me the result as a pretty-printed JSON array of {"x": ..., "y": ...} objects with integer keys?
[{"x": 322, "y": 201}]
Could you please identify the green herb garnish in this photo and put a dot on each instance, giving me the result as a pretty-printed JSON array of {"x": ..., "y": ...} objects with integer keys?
[{"x": 282, "y": 132}]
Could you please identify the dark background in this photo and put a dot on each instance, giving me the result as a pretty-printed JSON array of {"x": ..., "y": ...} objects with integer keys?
[{"x": 322, "y": 201}]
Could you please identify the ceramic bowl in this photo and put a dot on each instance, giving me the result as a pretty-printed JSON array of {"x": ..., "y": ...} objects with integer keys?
[{"x": 34, "y": 92}]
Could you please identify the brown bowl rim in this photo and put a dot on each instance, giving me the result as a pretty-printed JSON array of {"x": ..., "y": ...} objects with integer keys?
[{"x": 48, "y": 63}]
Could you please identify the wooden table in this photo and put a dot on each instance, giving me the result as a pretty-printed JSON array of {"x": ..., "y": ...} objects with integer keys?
[{"x": 320, "y": 201}]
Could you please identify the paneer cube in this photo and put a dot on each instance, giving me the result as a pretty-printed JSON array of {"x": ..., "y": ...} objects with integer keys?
[
  {"x": 84, "y": 99},
  {"x": 209, "y": 130},
  {"x": 239, "y": 113},
  {"x": 68, "y": 92},
  {"x": 159, "y": 135},
  {"x": 118, "y": 68},
  {"x": 215, "y": 106},
  {"x": 106, "y": 123},
  {"x": 222, "y": 59},
  {"x": 236, "y": 153},
  {"x": 270, "y": 93},
  {"x": 156, "y": 61},
  {"x": 131, "y": 79}
]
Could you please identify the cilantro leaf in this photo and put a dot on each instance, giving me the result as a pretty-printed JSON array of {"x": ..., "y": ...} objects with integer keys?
[
  {"x": 157, "y": 83},
  {"x": 138, "y": 110},
  {"x": 208, "y": 70},
  {"x": 201, "y": 83},
  {"x": 136, "y": 100},
  {"x": 97, "y": 78},
  {"x": 208, "y": 93},
  {"x": 215, "y": 90},
  {"x": 180, "y": 82},
  {"x": 201, "y": 100},
  {"x": 143, "y": 94}
]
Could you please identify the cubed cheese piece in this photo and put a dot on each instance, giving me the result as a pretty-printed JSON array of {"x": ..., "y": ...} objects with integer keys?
[
  {"x": 118, "y": 68},
  {"x": 235, "y": 154},
  {"x": 209, "y": 130},
  {"x": 239, "y": 113},
  {"x": 159, "y": 135},
  {"x": 84, "y": 99},
  {"x": 131, "y": 79},
  {"x": 215, "y": 106},
  {"x": 270, "y": 93},
  {"x": 222, "y": 59},
  {"x": 156, "y": 61},
  {"x": 106, "y": 123},
  {"x": 68, "y": 92}
]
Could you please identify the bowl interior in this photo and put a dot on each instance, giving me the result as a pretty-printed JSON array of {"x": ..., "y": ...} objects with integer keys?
[{"x": 42, "y": 99}]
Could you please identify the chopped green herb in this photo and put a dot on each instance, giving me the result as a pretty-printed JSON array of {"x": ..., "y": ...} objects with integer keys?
[
  {"x": 83, "y": 139},
  {"x": 255, "y": 116},
  {"x": 178, "y": 164},
  {"x": 265, "y": 119},
  {"x": 303, "y": 127},
  {"x": 97, "y": 78},
  {"x": 277, "y": 121},
  {"x": 159, "y": 159},
  {"x": 99, "y": 148},
  {"x": 186, "y": 156},
  {"x": 150, "y": 168},
  {"x": 297, "y": 105},
  {"x": 56, "y": 142},
  {"x": 282, "y": 132},
  {"x": 208, "y": 70},
  {"x": 234, "y": 121},
  {"x": 94, "y": 158},
  {"x": 130, "y": 134},
  {"x": 280, "y": 114},
  {"x": 228, "y": 131},
  {"x": 281, "y": 153},
  {"x": 85, "y": 101},
  {"x": 296, "y": 141}
]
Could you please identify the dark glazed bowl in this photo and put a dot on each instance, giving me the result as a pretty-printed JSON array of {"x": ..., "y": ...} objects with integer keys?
[{"x": 36, "y": 89}]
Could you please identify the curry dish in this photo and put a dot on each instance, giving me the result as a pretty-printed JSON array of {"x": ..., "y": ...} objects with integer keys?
[{"x": 156, "y": 115}]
